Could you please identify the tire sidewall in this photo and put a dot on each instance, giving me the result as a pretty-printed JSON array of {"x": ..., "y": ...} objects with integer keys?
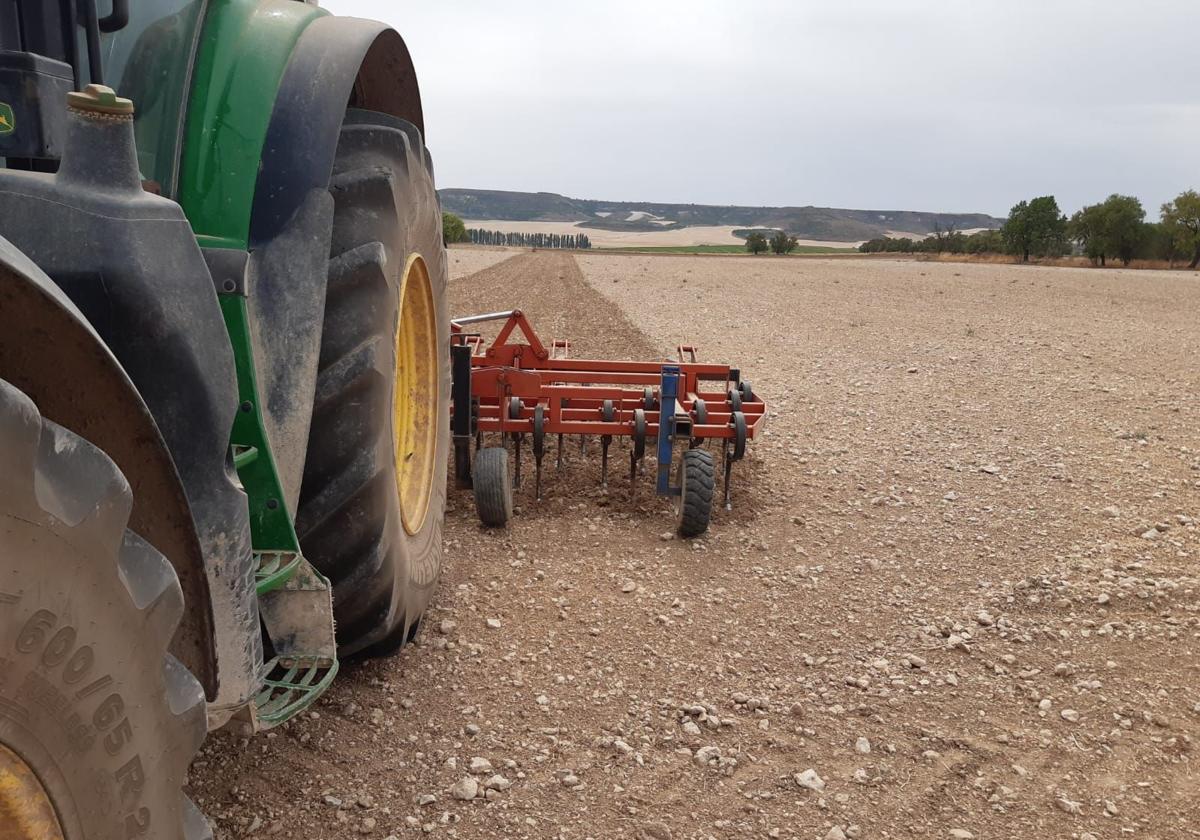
[
  {"x": 420, "y": 234},
  {"x": 88, "y": 734}
]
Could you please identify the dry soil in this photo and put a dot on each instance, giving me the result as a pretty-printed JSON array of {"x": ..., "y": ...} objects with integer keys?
[{"x": 957, "y": 596}]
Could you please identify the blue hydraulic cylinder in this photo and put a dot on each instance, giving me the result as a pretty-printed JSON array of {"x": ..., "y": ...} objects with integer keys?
[{"x": 668, "y": 392}]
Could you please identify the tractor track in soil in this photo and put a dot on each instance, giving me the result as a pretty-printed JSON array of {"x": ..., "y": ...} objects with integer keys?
[{"x": 959, "y": 584}]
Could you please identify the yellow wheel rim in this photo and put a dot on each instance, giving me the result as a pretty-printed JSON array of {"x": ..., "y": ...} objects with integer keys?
[
  {"x": 26, "y": 812},
  {"x": 415, "y": 400}
]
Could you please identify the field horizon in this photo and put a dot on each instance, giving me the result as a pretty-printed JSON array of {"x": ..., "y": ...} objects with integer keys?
[{"x": 713, "y": 223}]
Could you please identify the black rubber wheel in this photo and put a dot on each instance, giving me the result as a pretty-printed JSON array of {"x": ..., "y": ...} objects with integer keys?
[
  {"x": 737, "y": 421},
  {"x": 649, "y": 403},
  {"x": 697, "y": 479},
  {"x": 493, "y": 489},
  {"x": 639, "y": 434},
  {"x": 98, "y": 723},
  {"x": 360, "y": 520},
  {"x": 735, "y": 399},
  {"x": 699, "y": 411},
  {"x": 746, "y": 391}
]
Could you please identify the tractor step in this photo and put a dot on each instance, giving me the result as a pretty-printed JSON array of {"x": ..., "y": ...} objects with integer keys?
[
  {"x": 293, "y": 684},
  {"x": 274, "y": 569},
  {"x": 298, "y": 617},
  {"x": 244, "y": 456}
]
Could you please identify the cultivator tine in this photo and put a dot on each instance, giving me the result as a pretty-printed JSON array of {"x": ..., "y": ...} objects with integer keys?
[
  {"x": 514, "y": 413},
  {"x": 608, "y": 413},
  {"x": 560, "y": 453},
  {"x": 605, "y": 440},
  {"x": 735, "y": 449},
  {"x": 539, "y": 447},
  {"x": 638, "y": 451},
  {"x": 517, "y": 469},
  {"x": 728, "y": 473}
]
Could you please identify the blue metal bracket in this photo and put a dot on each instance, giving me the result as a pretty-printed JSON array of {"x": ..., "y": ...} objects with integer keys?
[{"x": 668, "y": 392}]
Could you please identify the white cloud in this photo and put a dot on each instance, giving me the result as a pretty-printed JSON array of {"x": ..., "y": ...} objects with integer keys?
[{"x": 915, "y": 104}]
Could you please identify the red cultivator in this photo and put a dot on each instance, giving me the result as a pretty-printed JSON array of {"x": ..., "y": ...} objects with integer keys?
[{"x": 526, "y": 389}]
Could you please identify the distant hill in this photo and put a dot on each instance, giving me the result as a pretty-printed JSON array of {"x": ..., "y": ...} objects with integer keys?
[{"x": 826, "y": 223}]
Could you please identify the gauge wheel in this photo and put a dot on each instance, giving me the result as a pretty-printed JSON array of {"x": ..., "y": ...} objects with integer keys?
[
  {"x": 493, "y": 488},
  {"x": 697, "y": 479}
]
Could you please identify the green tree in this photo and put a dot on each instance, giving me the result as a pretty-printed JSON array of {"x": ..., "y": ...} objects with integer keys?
[
  {"x": 781, "y": 243},
  {"x": 1035, "y": 227},
  {"x": 1158, "y": 243},
  {"x": 453, "y": 229},
  {"x": 756, "y": 243},
  {"x": 1087, "y": 228},
  {"x": 1115, "y": 227},
  {"x": 1181, "y": 219},
  {"x": 984, "y": 242},
  {"x": 1123, "y": 216}
]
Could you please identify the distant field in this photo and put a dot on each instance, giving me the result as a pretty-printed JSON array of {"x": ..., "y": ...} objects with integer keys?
[
  {"x": 723, "y": 249},
  {"x": 705, "y": 236},
  {"x": 831, "y": 224}
]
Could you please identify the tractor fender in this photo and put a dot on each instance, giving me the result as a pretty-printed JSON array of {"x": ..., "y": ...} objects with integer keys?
[
  {"x": 336, "y": 62},
  {"x": 128, "y": 260},
  {"x": 50, "y": 351}
]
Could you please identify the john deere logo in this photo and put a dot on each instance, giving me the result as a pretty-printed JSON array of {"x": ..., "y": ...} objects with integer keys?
[{"x": 7, "y": 122}]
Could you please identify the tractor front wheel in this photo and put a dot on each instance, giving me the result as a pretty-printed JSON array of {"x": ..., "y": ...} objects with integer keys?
[{"x": 97, "y": 721}]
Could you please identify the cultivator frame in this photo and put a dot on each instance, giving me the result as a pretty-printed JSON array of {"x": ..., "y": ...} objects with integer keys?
[{"x": 518, "y": 388}]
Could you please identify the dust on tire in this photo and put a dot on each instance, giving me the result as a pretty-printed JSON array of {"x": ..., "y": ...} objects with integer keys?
[{"x": 90, "y": 699}]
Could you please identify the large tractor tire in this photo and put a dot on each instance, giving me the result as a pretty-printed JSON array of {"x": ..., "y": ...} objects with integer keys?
[
  {"x": 98, "y": 723},
  {"x": 372, "y": 500}
]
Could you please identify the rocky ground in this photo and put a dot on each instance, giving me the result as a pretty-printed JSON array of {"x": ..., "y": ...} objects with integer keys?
[{"x": 957, "y": 596}]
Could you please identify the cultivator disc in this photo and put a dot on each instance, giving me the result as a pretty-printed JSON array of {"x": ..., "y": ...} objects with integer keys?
[{"x": 515, "y": 389}]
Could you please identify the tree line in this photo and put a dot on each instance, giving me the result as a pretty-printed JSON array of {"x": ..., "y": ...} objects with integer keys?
[
  {"x": 1113, "y": 229},
  {"x": 528, "y": 240},
  {"x": 941, "y": 241},
  {"x": 779, "y": 243},
  {"x": 454, "y": 230}
]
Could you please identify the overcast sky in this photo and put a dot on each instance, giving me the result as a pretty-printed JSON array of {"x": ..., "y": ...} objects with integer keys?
[{"x": 957, "y": 105}]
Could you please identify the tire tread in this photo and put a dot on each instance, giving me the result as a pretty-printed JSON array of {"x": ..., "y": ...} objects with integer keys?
[
  {"x": 348, "y": 519},
  {"x": 699, "y": 483},
  {"x": 493, "y": 490}
]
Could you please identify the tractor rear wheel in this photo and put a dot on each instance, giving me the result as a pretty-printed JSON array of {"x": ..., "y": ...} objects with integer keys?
[
  {"x": 372, "y": 500},
  {"x": 98, "y": 723}
]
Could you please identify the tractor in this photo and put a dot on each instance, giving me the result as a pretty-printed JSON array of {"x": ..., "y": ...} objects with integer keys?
[{"x": 224, "y": 387}]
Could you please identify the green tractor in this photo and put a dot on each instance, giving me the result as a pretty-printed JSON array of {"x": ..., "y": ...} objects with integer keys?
[{"x": 224, "y": 387}]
